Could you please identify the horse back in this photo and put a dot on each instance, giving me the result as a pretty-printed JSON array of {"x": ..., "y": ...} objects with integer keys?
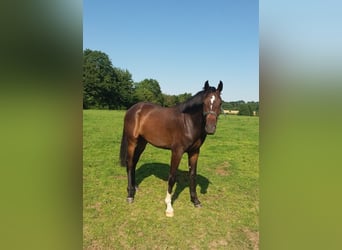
[{"x": 158, "y": 125}]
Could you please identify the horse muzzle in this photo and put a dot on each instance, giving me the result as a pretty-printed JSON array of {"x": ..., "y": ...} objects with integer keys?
[
  {"x": 210, "y": 124},
  {"x": 210, "y": 129}
]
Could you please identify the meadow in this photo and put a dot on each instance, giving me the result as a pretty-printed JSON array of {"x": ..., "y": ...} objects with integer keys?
[{"x": 227, "y": 186}]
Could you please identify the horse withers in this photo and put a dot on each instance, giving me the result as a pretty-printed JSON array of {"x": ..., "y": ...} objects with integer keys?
[{"x": 181, "y": 129}]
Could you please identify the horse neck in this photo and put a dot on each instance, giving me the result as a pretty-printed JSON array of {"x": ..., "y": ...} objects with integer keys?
[
  {"x": 193, "y": 110},
  {"x": 197, "y": 115},
  {"x": 197, "y": 119}
]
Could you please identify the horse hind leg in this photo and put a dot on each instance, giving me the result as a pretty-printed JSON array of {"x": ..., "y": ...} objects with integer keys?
[
  {"x": 130, "y": 172},
  {"x": 137, "y": 153},
  {"x": 134, "y": 155}
]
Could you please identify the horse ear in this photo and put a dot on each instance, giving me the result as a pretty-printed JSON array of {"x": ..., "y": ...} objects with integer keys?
[
  {"x": 220, "y": 86},
  {"x": 206, "y": 85}
]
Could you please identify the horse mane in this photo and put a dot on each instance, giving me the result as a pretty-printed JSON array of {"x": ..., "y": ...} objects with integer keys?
[{"x": 194, "y": 102}]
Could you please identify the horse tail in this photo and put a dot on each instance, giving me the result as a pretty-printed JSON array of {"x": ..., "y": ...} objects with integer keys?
[{"x": 123, "y": 149}]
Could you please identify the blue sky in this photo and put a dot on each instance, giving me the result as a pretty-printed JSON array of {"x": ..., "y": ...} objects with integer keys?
[{"x": 181, "y": 44}]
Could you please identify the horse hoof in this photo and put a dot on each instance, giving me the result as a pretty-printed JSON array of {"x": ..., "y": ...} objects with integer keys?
[
  {"x": 130, "y": 199},
  {"x": 169, "y": 214},
  {"x": 198, "y": 205}
]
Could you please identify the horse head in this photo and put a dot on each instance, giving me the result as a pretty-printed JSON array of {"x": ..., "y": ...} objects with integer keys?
[{"x": 212, "y": 106}]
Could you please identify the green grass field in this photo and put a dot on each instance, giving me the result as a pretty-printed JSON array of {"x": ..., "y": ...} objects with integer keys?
[{"x": 228, "y": 187}]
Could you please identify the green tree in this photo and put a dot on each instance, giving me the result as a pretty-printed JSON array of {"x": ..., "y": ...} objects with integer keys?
[
  {"x": 254, "y": 106},
  {"x": 184, "y": 97},
  {"x": 98, "y": 76},
  {"x": 170, "y": 100},
  {"x": 103, "y": 85},
  {"x": 148, "y": 90},
  {"x": 124, "y": 84},
  {"x": 227, "y": 106},
  {"x": 245, "y": 109}
]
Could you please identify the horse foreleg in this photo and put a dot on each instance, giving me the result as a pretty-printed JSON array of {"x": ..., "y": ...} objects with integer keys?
[
  {"x": 168, "y": 198},
  {"x": 175, "y": 160},
  {"x": 192, "y": 159},
  {"x": 169, "y": 208}
]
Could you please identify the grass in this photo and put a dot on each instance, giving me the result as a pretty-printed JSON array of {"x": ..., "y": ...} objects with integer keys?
[{"x": 228, "y": 172}]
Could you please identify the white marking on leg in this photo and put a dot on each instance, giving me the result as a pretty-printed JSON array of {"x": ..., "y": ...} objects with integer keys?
[
  {"x": 169, "y": 209},
  {"x": 212, "y": 99}
]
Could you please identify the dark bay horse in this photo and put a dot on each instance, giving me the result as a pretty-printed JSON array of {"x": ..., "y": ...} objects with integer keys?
[{"x": 181, "y": 129}]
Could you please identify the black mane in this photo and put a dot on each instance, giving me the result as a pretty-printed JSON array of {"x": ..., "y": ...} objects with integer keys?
[{"x": 194, "y": 102}]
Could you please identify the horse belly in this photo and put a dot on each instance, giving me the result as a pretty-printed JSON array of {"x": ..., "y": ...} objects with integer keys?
[{"x": 160, "y": 132}]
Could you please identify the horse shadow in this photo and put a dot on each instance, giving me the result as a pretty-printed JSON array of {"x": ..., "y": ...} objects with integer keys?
[{"x": 161, "y": 171}]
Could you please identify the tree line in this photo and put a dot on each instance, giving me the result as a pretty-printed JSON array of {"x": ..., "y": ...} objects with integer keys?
[
  {"x": 109, "y": 87},
  {"x": 245, "y": 108}
]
